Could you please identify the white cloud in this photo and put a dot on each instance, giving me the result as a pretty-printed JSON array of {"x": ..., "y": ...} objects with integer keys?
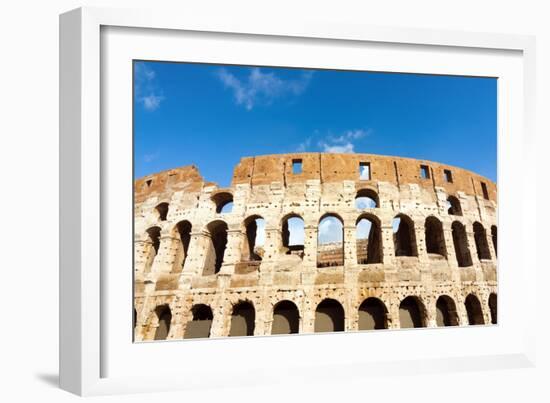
[
  {"x": 151, "y": 157},
  {"x": 343, "y": 143},
  {"x": 152, "y": 102},
  {"x": 262, "y": 88},
  {"x": 146, "y": 89},
  {"x": 339, "y": 149},
  {"x": 330, "y": 230}
]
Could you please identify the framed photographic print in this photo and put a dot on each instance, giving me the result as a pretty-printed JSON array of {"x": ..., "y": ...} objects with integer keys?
[{"x": 236, "y": 199}]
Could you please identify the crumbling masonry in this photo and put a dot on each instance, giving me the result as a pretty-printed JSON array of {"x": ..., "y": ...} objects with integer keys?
[{"x": 430, "y": 257}]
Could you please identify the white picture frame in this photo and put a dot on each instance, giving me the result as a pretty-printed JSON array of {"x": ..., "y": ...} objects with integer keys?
[{"x": 88, "y": 306}]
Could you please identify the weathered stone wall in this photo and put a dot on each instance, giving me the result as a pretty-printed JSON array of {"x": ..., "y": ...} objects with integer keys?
[{"x": 168, "y": 273}]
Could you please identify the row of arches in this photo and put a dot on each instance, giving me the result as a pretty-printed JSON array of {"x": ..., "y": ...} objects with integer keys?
[
  {"x": 364, "y": 199},
  {"x": 330, "y": 240},
  {"x": 329, "y": 316}
]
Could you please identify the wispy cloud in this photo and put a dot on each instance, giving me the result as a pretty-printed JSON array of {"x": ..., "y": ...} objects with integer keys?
[
  {"x": 262, "y": 88},
  {"x": 330, "y": 143},
  {"x": 147, "y": 91},
  {"x": 151, "y": 157}
]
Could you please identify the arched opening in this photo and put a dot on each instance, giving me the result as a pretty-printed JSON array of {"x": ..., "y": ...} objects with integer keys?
[
  {"x": 366, "y": 198},
  {"x": 255, "y": 238},
  {"x": 293, "y": 233},
  {"x": 435, "y": 240},
  {"x": 473, "y": 309},
  {"x": 154, "y": 242},
  {"x": 411, "y": 313},
  {"x": 446, "y": 312},
  {"x": 216, "y": 249},
  {"x": 162, "y": 210},
  {"x": 329, "y": 316},
  {"x": 242, "y": 320},
  {"x": 372, "y": 315},
  {"x": 330, "y": 241},
  {"x": 183, "y": 231},
  {"x": 369, "y": 240},
  {"x": 286, "y": 319},
  {"x": 404, "y": 238},
  {"x": 201, "y": 323},
  {"x": 460, "y": 243},
  {"x": 223, "y": 202},
  {"x": 453, "y": 206},
  {"x": 494, "y": 237},
  {"x": 493, "y": 307},
  {"x": 164, "y": 316},
  {"x": 482, "y": 246}
]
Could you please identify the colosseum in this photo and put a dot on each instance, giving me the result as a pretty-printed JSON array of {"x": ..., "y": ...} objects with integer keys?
[{"x": 313, "y": 242}]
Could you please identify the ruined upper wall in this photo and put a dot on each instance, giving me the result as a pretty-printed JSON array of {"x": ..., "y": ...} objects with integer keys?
[
  {"x": 329, "y": 167},
  {"x": 326, "y": 167},
  {"x": 186, "y": 178}
]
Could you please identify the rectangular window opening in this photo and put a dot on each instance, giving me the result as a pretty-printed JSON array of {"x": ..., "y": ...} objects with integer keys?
[
  {"x": 424, "y": 172},
  {"x": 448, "y": 176},
  {"x": 149, "y": 182},
  {"x": 364, "y": 171},
  {"x": 485, "y": 191},
  {"x": 296, "y": 167}
]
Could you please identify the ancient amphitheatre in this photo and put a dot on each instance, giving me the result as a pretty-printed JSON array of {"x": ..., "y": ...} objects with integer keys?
[{"x": 430, "y": 257}]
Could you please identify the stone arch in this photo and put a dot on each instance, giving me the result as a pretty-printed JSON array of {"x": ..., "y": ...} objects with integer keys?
[
  {"x": 369, "y": 239},
  {"x": 243, "y": 319},
  {"x": 217, "y": 232},
  {"x": 182, "y": 232},
  {"x": 293, "y": 234},
  {"x": 482, "y": 247},
  {"x": 366, "y": 198},
  {"x": 162, "y": 210},
  {"x": 493, "y": 307},
  {"x": 223, "y": 202},
  {"x": 494, "y": 237},
  {"x": 373, "y": 314},
  {"x": 329, "y": 316},
  {"x": 404, "y": 238},
  {"x": 286, "y": 318},
  {"x": 474, "y": 311},
  {"x": 254, "y": 228},
  {"x": 330, "y": 241},
  {"x": 435, "y": 239},
  {"x": 153, "y": 234},
  {"x": 445, "y": 311},
  {"x": 164, "y": 317},
  {"x": 412, "y": 313},
  {"x": 453, "y": 206},
  {"x": 460, "y": 242},
  {"x": 201, "y": 322}
]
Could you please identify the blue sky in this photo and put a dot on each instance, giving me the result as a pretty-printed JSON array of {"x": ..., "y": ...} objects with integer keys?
[{"x": 212, "y": 115}]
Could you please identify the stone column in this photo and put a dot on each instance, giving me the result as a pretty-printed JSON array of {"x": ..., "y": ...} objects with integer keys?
[
  {"x": 420, "y": 235},
  {"x": 350, "y": 246},
  {"x": 273, "y": 244},
  {"x": 388, "y": 248},
  {"x": 308, "y": 319},
  {"x": 393, "y": 314},
  {"x": 166, "y": 256},
  {"x": 142, "y": 249},
  {"x": 310, "y": 246},
  {"x": 196, "y": 258},
  {"x": 473, "y": 253},
  {"x": 233, "y": 250}
]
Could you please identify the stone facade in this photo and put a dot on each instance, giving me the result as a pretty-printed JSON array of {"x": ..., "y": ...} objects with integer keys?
[{"x": 198, "y": 274}]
